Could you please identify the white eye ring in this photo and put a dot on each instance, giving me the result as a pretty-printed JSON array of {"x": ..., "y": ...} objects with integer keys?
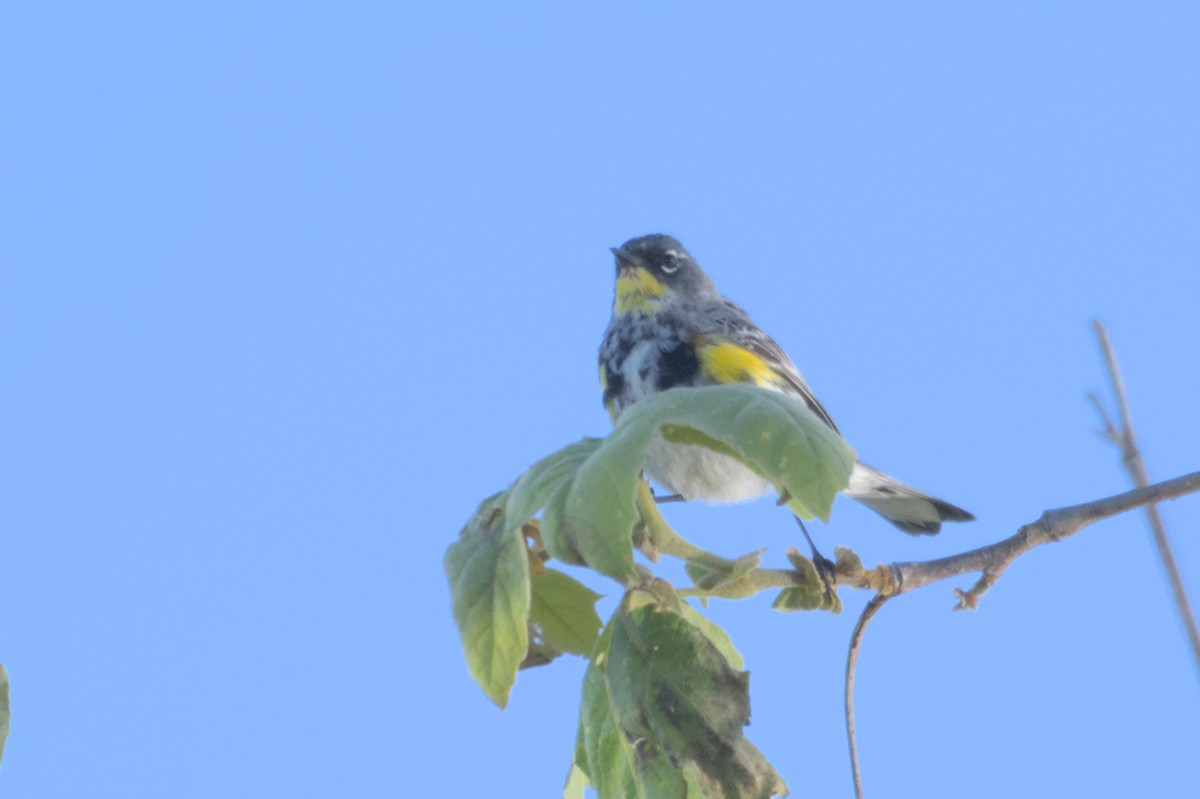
[{"x": 670, "y": 268}]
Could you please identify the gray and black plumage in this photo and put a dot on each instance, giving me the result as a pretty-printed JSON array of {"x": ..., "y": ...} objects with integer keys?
[{"x": 671, "y": 327}]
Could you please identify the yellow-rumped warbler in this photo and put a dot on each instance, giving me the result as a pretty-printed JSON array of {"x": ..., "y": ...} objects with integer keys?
[{"x": 671, "y": 327}]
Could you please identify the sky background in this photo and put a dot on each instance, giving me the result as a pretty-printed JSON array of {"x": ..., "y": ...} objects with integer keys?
[{"x": 288, "y": 288}]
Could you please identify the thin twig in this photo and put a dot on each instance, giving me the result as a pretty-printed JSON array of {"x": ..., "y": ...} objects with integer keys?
[
  {"x": 1110, "y": 430},
  {"x": 851, "y": 664},
  {"x": 1125, "y": 440}
]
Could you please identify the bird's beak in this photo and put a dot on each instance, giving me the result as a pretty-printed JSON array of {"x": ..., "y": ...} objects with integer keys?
[{"x": 626, "y": 260}]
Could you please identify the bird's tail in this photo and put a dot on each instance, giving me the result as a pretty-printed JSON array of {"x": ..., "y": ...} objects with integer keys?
[{"x": 902, "y": 505}]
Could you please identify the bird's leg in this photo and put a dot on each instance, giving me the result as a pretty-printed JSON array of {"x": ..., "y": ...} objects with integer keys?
[
  {"x": 669, "y": 498},
  {"x": 826, "y": 568}
]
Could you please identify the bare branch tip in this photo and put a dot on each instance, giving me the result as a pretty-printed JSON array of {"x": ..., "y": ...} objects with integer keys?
[
  {"x": 1110, "y": 430},
  {"x": 967, "y": 600},
  {"x": 1101, "y": 333}
]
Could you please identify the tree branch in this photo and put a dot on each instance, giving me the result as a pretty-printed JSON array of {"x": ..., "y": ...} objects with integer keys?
[
  {"x": 1125, "y": 441},
  {"x": 992, "y": 561},
  {"x": 1054, "y": 525},
  {"x": 902, "y": 577}
]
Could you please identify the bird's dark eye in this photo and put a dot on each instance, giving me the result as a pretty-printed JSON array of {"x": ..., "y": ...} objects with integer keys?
[{"x": 670, "y": 267}]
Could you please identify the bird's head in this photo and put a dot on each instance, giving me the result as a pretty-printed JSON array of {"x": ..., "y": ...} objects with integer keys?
[{"x": 654, "y": 272}]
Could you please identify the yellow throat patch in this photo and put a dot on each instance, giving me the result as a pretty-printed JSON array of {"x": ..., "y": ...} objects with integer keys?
[{"x": 638, "y": 290}]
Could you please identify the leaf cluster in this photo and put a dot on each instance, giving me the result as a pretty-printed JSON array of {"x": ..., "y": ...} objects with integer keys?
[{"x": 665, "y": 697}]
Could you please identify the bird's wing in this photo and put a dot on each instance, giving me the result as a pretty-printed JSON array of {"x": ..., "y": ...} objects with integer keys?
[{"x": 735, "y": 325}]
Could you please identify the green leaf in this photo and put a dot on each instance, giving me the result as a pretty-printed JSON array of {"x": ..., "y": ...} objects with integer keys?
[
  {"x": 4, "y": 714},
  {"x": 657, "y": 775},
  {"x": 664, "y": 709},
  {"x": 806, "y": 597},
  {"x": 773, "y": 434},
  {"x": 669, "y": 676},
  {"x": 715, "y": 634},
  {"x": 848, "y": 564},
  {"x": 555, "y": 536},
  {"x": 811, "y": 595},
  {"x": 488, "y": 570},
  {"x": 544, "y": 479},
  {"x": 708, "y": 578},
  {"x": 564, "y": 610},
  {"x": 546, "y": 485},
  {"x": 576, "y": 781},
  {"x": 601, "y": 748},
  {"x": 694, "y": 780},
  {"x": 599, "y": 510}
]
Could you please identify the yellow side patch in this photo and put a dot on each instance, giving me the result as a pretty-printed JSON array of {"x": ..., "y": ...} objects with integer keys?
[
  {"x": 726, "y": 362},
  {"x": 611, "y": 407},
  {"x": 611, "y": 404},
  {"x": 637, "y": 290}
]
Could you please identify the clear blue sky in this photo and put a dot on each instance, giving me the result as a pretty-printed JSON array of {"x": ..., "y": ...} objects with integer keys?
[{"x": 288, "y": 288}]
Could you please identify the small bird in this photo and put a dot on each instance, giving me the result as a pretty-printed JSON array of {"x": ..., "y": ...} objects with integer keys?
[{"x": 671, "y": 327}]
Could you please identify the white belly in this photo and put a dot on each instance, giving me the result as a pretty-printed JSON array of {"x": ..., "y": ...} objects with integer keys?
[{"x": 699, "y": 473}]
